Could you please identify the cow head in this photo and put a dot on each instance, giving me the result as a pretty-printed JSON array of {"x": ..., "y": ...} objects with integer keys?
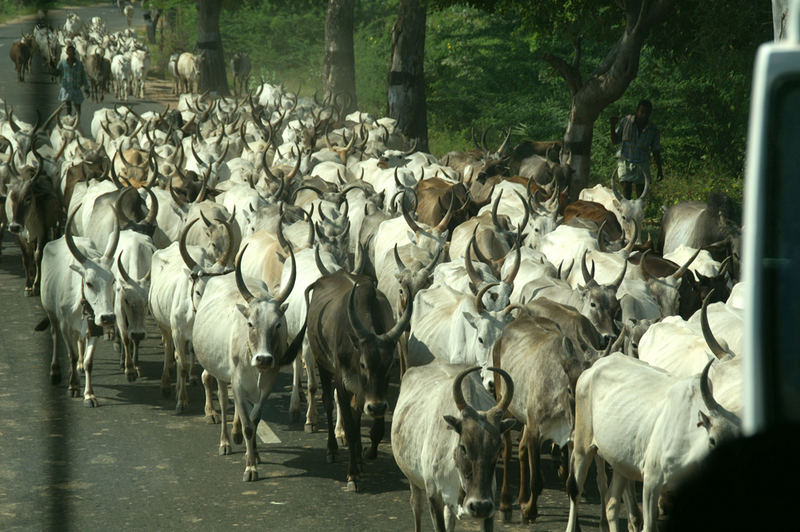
[
  {"x": 480, "y": 436},
  {"x": 201, "y": 275},
  {"x": 414, "y": 278},
  {"x": 600, "y": 302},
  {"x": 630, "y": 211},
  {"x": 97, "y": 280},
  {"x": 675, "y": 293},
  {"x": 130, "y": 303},
  {"x": 375, "y": 350},
  {"x": 487, "y": 327},
  {"x": 266, "y": 323},
  {"x": 720, "y": 424}
]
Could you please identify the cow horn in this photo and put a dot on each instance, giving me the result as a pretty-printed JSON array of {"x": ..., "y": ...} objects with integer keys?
[
  {"x": 309, "y": 214},
  {"x": 361, "y": 332},
  {"x": 643, "y": 265},
  {"x": 683, "y": 269},
  {"x": 504, "y": 144},
  {"x": 646, "y": 189},
  {"x": 458, "y": 394},
  {"x": 474, "y": 278},
  {"x": 411, "y": 223},
  {"x": 150, "y": 219},
  {"x": 245, "y": 293},
  {"x": 708, "y": 398},
  {"x": 122, "y": 272},
  {"x": 397, "y": 260},
  {"x": 174, "y": 195},
  {"x": 629, "y": 248},
  {"x": 601, "y": 245},
  {"x": 567, "y": 271},
  {"x": 318, "y": 260},
  {"x": 495, "y": 206},
  {"x": 245, "y": 145},
  {"x": 412, "y": 149},
  {"x": 201, "y": 196},
  {"x": 614, "y": 185},
  {"x": 588, "y": 277},
  {"x": 483, "y": 140},
  {"x": 113, "y": 241},
  {"x": 73, "y": 249},
  {"x": 444, "y": 222},
  {"x": 296, "y": 165},
  {"x": 430, "y": 266},
  {"x": 527, "y": 214},
  {"x": 394, "y": 333},
  {"x": 496, "y": 412},
  {"x": 279, "y": 233},
  {"x": 711, "y": 341},
  {"x": 229, "y": 249},
  {"x": 14, "y": 126},
  {"x": 122, "y": 157},
  {"x": 197, "y": 157},
  {"x": 518, "y": 248},
  {"x": 479, "y": 296},
  {"x": 621, "y": 277},
  {"x": 187, "y": 259},
  {"x": 284, "y": 294},
  {"x": 205, "y": 220},
  {"x": 361, "y": 254}
]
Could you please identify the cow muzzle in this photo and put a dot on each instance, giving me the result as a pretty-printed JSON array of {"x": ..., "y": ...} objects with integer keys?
[
  {"x": 14, "y": 228},
  {"x": 263, "y": 361},
  {"x": 375, "y": 408},
  {"x": 108, "y": 319},
  {"x": 479, "y": 508}
]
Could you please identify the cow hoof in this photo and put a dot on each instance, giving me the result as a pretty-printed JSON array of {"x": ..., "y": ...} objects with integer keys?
[
  {"x": 224, "y": 449},
  {"x": 341, "y": 441},
  {"x": 75, "y": 392},
  {"x": 28, "y": 292},
  {"x": 90, "y": 401},
  {"x": 180, "y": 408},
  {"x": 507, "y": 516},
  {"x": 309, "y": 428},
  {"x": 351, "y": 486},
  {"x": 237, "y": 438},
  {"x": 250, "y": 475},
  {"x": 371, "y": 454},
  {"x": 131, "y": 376},
  {"x": 212, "y": 419}
]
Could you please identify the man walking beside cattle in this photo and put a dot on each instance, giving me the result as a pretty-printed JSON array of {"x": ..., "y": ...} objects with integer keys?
[
  {"x": 637, "y": 137},
  {"x": 73, "y": 79}
]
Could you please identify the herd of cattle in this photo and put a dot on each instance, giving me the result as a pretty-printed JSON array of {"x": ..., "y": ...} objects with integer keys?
[{"x": 277, "y": 230}]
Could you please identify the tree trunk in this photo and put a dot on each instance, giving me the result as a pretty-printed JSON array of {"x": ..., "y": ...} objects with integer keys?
[
  {"x": 209, "y": 43},
  {"x": 406, "y": 93},
  {"x": 339, "y": 65},
  {"x": 605, "y": 86},
  {"x": 780, "y": 15}
]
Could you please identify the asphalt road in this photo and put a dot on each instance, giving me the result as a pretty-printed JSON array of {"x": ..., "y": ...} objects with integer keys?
[{"x": 133, "y": 464}]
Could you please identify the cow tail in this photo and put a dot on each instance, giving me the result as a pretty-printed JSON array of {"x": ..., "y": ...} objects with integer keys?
[{"x": 42, "y": 325}]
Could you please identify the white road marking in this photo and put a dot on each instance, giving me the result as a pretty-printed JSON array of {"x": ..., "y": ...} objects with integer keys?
[{"x": 265, "y": 433}]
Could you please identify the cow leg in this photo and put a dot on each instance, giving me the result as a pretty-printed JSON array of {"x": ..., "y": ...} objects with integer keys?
[
  {"x": 169, "y": 360},
  {"x": 222, "y": 396},
  {"x": 437, "y": 513},
  {"x": 136, "y": 366},
  {"x": 532, "y": 440},
  {"x": 27, "y": 266},
  {"x": 602, "y": 488},
  {"x": 181, "y": 374},
  {"x": 251, "y": 456},
  {"x": 341, "y": 438},
  {"x": 375, "y": 436},
  {"x": 352, "y": 433},
  {"x": 634, "y": 512},
  {"x": 211, "y": 416},
  {"x": 402, "y": 351},
  {"x": 312, "y": 384},
  {"x": 327, "y": 401},
  {"x": 37, "y": 260},
  {"x": 236, "y": 433},
  {"x": 650, "y": 494},
  {"x": 89, "y": 398},
  {"x": 524, "y": 474},
  {"x": 505, "y": 492},
  {"x": 578, "y": 469},
  {"x": 130, "y": 367},
  {"x": 297, "y": 385},
  {"x": 618, "y": 483},
  {"x": 417, "y": 504},
  {"x": 55, "y": 368}
]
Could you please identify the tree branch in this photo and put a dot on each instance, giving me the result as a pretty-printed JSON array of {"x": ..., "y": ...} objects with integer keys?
[{"x": 570, "y": 74}]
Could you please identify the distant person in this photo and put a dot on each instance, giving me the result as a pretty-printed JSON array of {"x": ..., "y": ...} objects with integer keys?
[
  {"x": 639, "y": 136},
  {"x": 73, "y": 79}
]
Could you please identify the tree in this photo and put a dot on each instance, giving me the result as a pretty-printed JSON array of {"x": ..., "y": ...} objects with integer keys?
[
  {"x": 209, "y": 43},
  {"x": 406, "y": 92},
  {"x": 339, "y": 70}
]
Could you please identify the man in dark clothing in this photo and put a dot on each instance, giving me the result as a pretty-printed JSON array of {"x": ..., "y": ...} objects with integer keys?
[
  {"x": 638, "y": 137},
  {"x": 73, "y": 79}
]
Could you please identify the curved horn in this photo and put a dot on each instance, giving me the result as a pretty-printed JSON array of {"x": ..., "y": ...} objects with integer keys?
[
  {"x": 281, "y": 297},
  {"x": 680, "y": 271},
  {"x": 73, "y": 249},
  {"x": 397, "y": 260},
  {"x": 614, "y": 185},
  {"x": 458, "y": 395},
  {"x": 567, "y": 271},
  {"x": 629, "y": 247},
  {"x": 225, "y": 258},
  {"x": 122, "y": 272},
  {"x": 187, "y": 259},
  {"x": 150, "y": 219},
  {"x": 526, "y": 216},
  {"x": 588, "y": 277},
  {"x": 361, "y": 332},
  {"x": 646, "y": 189},
  {"x": 394, "y": 333},
  {"x": 621, "y": 276},
  {"x": 513, "y": 273},
  {"x": 711, "y": 341},
  {"x": 497, "y": 411},
  {"x": 411, "y": 223},
  {"x": 197, "y": 157},
  {"x": 504, "y": 144},
  {"x": 708, "y": 398},
  {"x": 296, "y": 165},
  {"x": 479, "y": 296},
  {"x": 245, "y": 293},
  {"x": 177, "y": 199},
  {"x": 205, "y": 220},
  {"x": 601, "y": 245},
  {"x": 643, "y": 265},
  {"x": 111, "y": 246},
  {"x": 473, "y": 275},
  {"x": 495, "y": 206},
  {"x": 320, "y": 266}
]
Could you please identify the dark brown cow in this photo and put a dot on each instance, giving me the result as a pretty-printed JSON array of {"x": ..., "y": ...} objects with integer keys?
[
  {"x": 434, "y": 197},
  {"x": 33, "y": 210},
  {"x": 352, "y": 337},
  {"x": 98, "y": 70},
  {"x": 20, "y": 54},
  {"x": 583, "y": 211}
]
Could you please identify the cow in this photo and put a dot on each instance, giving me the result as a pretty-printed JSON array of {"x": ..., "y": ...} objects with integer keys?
[
  {"x": 357, "y": 357},
  {"x": 98, "y": 70},
  {"x": 172, "y": 66},
  {"x": 32, "y": 209},
  {"x": 629, "y": 212},
  {"x": 240, "y": 70},
  {"x": 20, "y": 54},
  {"x": 188, "y": 68},
  {"x": 240, "y": 339},
  {"x": 544, "y": 357},
  {"x": 648, "y": 425},
  {"x": 78, "y": 297},
  {"x": 447, "y": 448}
]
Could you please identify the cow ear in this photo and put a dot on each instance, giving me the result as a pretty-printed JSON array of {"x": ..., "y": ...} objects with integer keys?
[
  {"x": 703, "y": 420},
  {"x": 284, "y": 307},
  {"x": 453, "y": 423},
  {"x": 470, "y": 319},
  {"x": 243, "y": 309},
  {"x": 507, "y": 424},
  {"x": 77, "y": 269}
]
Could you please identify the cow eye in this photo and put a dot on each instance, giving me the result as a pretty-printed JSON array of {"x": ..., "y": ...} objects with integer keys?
[
  {"x": 480, "y": 340},
  {"x": 250, "y": 324},
  {"x": 89, "y": 285},
  {"x": 363, "y": 366},
  {"x": 592, "y": 305},
  {"x": 712, "y": 441},
  {"x": 462, "y": 449}
]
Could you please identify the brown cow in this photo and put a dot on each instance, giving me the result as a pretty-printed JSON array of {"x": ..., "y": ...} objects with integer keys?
[{"x": 20, "y": 54}]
